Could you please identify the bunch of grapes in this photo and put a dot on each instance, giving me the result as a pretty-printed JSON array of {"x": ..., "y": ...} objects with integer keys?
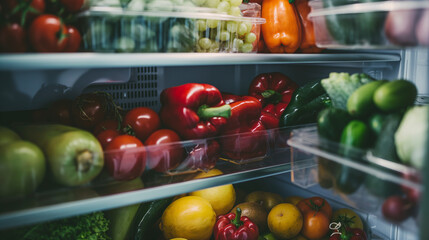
[
  {"x": 230, "y": 7},
  {"x": 225, "y": 36}
]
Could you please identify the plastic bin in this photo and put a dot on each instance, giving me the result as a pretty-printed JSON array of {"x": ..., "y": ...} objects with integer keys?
[
  {"x": 114, "y": 29},
  {"x": 366, "y": 182},
  {"x": 370, "y": 24}
]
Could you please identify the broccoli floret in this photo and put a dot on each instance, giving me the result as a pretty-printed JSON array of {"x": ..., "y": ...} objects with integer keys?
[
  {"x": 340, "y": 86},
  {"x": 91, "y": 226}
]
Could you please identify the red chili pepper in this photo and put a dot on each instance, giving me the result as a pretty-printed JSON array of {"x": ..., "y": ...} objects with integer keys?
[
  {"x": 234, "y": 226},
  {"x": 274, "y": 91},
  {"x": 243, "y": 135},
  {"x": 194, "y": 110}
]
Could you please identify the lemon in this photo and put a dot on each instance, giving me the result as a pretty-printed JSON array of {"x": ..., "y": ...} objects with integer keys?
[
  {"x": 221, "y": 198},
  {"x": 285, "y": 221},
  {"x": 189, "y": 217}
]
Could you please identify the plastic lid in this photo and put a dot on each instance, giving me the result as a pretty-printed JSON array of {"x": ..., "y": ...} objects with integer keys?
[
  {"x": 181, "y": 12},
  {"x": 366, "y": 7}
]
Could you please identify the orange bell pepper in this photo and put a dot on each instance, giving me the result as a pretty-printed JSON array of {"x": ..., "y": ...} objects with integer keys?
[
  {"x": 308, "y": 44},
  {"x": 282, "y": 31}
]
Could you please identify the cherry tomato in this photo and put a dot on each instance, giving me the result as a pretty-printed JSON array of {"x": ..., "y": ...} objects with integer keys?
[
  {"x": 48, "y": 34},
  {"x": 107, "y": 136},
  {"x": 164, "y": 150},
  {"x": 60, "y": 112},
  {"x": 106, "y": 124},
  {"x": 142, "y": 122},
  {"x": 13, "y": 38},
  {"x": 125, "y": 157},
  {"x": 317, "y": 214},
  {"x": 73, "y": 5},
  {"x": 89, "y": 109},
  {"x": 73, "y": 39}
]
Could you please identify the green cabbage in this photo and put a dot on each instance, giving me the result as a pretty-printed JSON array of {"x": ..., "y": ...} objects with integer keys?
[{"x": 411, "y": 138}]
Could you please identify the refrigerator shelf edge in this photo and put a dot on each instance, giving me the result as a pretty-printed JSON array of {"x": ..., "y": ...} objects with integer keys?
[
  {"x": 10, "y": 62},
  {"x": 19, "y": 217}
]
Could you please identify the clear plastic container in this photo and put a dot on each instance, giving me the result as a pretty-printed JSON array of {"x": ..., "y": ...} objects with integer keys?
[
  {"x": 172, "y": 29},
  {"x": 370, "y": 24},
  {"x": 362, "y": 180}
]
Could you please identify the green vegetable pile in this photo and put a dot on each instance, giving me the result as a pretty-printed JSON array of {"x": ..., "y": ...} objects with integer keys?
[
  {"x": 379, "y": 116},
  {"x": 92, "y": 226}
]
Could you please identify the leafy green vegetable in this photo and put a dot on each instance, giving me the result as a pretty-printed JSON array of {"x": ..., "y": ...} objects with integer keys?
[
  {"x": 92, "y": 226},
  {"x": 340, "y": 86},
  {"x": 411, "y": 138}
]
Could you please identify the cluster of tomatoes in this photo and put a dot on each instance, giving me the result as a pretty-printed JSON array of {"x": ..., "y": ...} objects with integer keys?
[
  {"x": 117, "y": 130},
  {"x": 40, "y": 25}
]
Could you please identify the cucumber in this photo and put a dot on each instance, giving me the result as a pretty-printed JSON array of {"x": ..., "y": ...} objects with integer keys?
[
  {"x": 147, "y": 216},
  {"x": 385, "y": 148},
  {"x": 331, "y": 122},
  {"x": 354, "y": 135},
  {"x": 395, "y": 95},
  {"x": 361, "y": 102}
]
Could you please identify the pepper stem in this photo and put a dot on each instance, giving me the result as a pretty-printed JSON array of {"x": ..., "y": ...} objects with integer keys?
[
  {"x": 84, "y": 161},
  {"x": 272, "y": 96},
  {"x": 206, "y": 112},
  {"x": 236, "y": 221}
]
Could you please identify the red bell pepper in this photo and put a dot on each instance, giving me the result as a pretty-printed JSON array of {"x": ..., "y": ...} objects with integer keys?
[
  {"x": 243, "y": 135},
  {"x": 202, "y": 156},
  {"x": 274, "y": 91},
  {"x": 194, "y": 110},
  {"x": 234, "y": 226}
]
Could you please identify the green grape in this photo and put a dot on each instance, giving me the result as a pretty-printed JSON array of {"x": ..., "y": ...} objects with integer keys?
[
  {"x": 214, "y": 47},
  {"x": 249, "y": 25},
  {"x": 237, "y": 43},
  {"x": 242, "y": 29},
  {"x": 211, "y": 23},
  {"x": 235, "y": 11},
  {"x": 199, "y": 2},
  {"x": 224, "y": 36},
  {"x": 212, "y": 3},
  {"x": 235, "y": 3},
  {"x": 223, "y": 6},
  {"x": 246, "y": 48},
  {"x": 250, "y": 37},
  {"x": 201, "y": 25},
  {"x": 231, "y": 26},
  {"x": 205, "y": 43}
]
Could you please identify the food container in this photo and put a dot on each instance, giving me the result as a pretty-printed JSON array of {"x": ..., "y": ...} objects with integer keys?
[
  {"x": 359, "y": 178},
  {"x": 370, "y": 24},
  {"x": 172, "y": 29}
]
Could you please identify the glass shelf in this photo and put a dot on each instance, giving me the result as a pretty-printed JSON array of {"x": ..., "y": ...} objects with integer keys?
[{"x": 33, "y": 61}]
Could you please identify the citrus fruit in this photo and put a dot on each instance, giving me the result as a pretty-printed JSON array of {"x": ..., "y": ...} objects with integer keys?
[
  {"x": 285, "y": 221},
  {"x": 293, "y": 199},
  {"x": 221, "y": 198},
  {"x": 189, "y": 217}
]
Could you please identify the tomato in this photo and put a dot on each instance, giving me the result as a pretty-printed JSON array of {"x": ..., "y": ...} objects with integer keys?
[
  {"x": 73, "y": 5},
  {"x": 141, "y": 122},
  {"x": 13, "y": 38},
  {"x": 397, "y": 208},
  {"x": 90, "y": 109},
  {"x": 73, "y": 39},
  {"x": 107, "y": 124},
  {"x": 48, "y": 34},
  {"x": 60, "y": 112},
  {"x": 347, "y": 218},
  {"x": 107, "y": 136},
  {"x": 164, "y": 150},
  {"x": 125, "y": 157},
  {"x": 317, "y": 214},
  {"x": 24, "y": 11}
]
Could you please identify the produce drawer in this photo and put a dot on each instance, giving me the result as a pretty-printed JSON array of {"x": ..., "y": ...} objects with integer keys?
[
  {"x": 363, "y": 181},
  {"x": 370, "y": 24}
]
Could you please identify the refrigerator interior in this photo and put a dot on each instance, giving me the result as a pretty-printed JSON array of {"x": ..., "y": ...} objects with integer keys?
[{"x": 27, "y": 89}]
